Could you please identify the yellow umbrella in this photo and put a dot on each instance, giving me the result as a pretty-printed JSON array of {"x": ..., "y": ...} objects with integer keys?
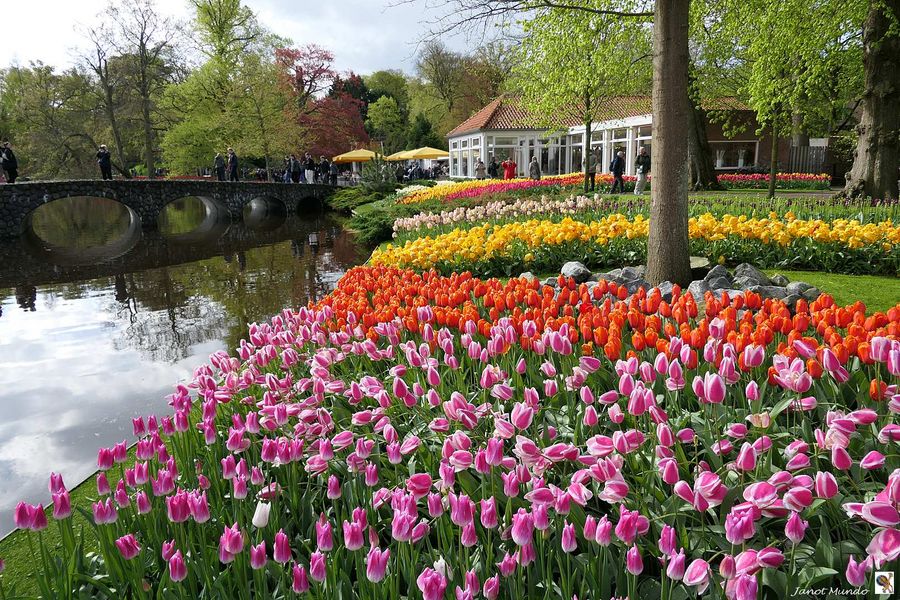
[
  {"x": 355, "y": 156},
  {"x": 402, "y": 155},
  {"x": 428, "y": 153}
]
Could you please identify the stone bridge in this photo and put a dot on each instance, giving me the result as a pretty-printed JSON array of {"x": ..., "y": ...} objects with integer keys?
[{"x": 146, "y": 198}]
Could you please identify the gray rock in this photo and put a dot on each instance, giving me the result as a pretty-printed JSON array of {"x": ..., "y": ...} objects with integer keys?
[
  {"x": 797, "y": 287},
  {"x": 719, "y": 283},
  {"x": 551, "y": 281},
  {"x": 635, "y": 284},
  {"x": 769, "y": 291},
  {"x": 746, "y": 282},
  {"x": 748, "y": 271},
  {"x": 698, "y": 289},
  {"x": 598, "y": 276},
  {"x": 527, "y": 275},
  {"x": 613, "y": 275},
  {"x": 812, "y": 293},
  {"x": 576, "y": 271},
  {"x": 665, "y": 290},
  {"x": 779, "y": 280},
  {"x": 791, "y": 300},
  {"x": 718, "y": 272},
  {"x": 632, "y": 273}
]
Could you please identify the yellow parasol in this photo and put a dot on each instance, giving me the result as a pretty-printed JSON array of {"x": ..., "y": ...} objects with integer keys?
[
  {"x": 354, "y": 156},
  {"x": 402, "y": 155},
  {"x": 427, "y": 153}
]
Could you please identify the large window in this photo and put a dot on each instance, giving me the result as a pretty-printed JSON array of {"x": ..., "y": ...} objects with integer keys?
[{"x": 734, "y": 155}]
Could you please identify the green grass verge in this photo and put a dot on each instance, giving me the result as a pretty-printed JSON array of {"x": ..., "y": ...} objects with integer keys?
[{"x": 876, "y": 292}]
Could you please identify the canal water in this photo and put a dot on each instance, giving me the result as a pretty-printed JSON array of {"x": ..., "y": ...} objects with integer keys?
[{"x": 99, "y": 320}]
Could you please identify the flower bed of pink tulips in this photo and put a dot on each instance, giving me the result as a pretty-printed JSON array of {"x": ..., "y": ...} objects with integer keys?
[
  {"x": 790, "y": 181},
  {"x": 416, "y": 436}
]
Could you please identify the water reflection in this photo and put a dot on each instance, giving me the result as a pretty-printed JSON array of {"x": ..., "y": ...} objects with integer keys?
[{"x": 84, "y": 347}]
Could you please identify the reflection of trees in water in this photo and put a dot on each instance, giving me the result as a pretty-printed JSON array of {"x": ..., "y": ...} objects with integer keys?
[
  {"x": 80, "y": 222},
  {"x": 182, "y": 216},
  {"x": 163, "y": 312}
]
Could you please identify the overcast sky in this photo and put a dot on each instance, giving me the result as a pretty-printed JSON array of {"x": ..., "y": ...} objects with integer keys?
[{"x": 364, "y": 35}]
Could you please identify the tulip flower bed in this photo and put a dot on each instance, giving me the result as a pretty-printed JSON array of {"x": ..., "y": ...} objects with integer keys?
[
  {"x": 486, "y": 187},
  {"x": 783, "y": 181},
  {"x": 419, "y": 436},
  {"x": 843, "y": 245}
]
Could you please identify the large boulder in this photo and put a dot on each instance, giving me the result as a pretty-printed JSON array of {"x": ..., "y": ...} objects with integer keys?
[
  {"x": 699, "y": 267},
  {"x": 551, "y": 281},
  {"x": 634, "y": 285},
  {"x": 576, "y": 271},
  {"x": 749, "y": 273},
  {"x": 769, "y": 291},
  {"x": 528, "y": 276},
  {"x": 698, "y": 289},
  {"x": 665, "y": 290},
  {"x": 797, "y": 287},
  {"x": 779, "y": 280},
  {"x": 811, "y": 293},
  {"x": 632, "y": 273}
]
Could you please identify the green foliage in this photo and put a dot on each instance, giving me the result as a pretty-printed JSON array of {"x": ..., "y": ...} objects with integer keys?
[
  {"x": 378, "y": 176},
  {"x": 346, "y": 199},
  {"x": 392, "y": 84},
  {"x": 386, "y": 123},
  {"x": 421, "y": 133}
]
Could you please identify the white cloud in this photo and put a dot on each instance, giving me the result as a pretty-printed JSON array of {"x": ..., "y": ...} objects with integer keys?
[{"x": 364, "y": 35}]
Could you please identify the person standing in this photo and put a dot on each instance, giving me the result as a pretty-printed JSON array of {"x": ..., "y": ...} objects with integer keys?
[
  {"x": 617, "y": 166},
  {"x": 219, "y": 164},
  {"x": 105, "y": 161},
  {"x": 590, "y": 166},
  {"x": 480, "y": 170},
  {"x": 493, "y": 169},
  {"x": 333, "y": 171},
  {"x": 509, "y": 168},
  {"x": 323, "y": 170},
  {"x": 642, "y": 168},
  {"x": 534, "y": 169},
  {"x": 310, "y": 167},
  {"x": 8, "y": 162},
  {"x": 296, "y": 169},
  {"x": 232, "y": 165}
]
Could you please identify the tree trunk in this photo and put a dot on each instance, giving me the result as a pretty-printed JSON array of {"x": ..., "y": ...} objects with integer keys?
[
  {"x": 668, "y": 246},
  {"x": 703, "y": 169},
  {"x": 114, "y": 126},
  {"x": 586, "y": 145},
  {"x": 148, "y": 136},
  {"x": 799, "y": 137},
  {"x": 877, "y": 157},
  {"x": 773, "y": 160}
]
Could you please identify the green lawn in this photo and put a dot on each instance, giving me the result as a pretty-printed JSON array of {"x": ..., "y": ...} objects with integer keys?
[{"x": 878, "y": 293}]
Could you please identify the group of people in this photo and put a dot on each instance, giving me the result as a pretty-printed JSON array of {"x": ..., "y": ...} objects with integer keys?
[
  {"x": 415, "y": 171},
  {"x": 226, "y": 166},
  {"x": 642, "y": 165},
  {"x": 8, "y": 162},
  {"x": 308, "y": 170}
]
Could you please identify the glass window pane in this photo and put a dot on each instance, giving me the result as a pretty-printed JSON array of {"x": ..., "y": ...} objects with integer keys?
[
  {"x": 620, "y": 134},
  {"x": 644, "y": 131}
]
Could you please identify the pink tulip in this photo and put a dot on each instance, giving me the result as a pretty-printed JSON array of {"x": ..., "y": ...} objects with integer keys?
[
  {"x": 697, "y": 575},
  {"x": 826, "y": 485},
  {"x": 746, "y": 459},
  {"x": 299, "y": 580},
  {"x": 491, "y": 588},
  {"x": 676, "y": 567},
  {"x": 324, "y": 540},
  {"x": 128, "y": 546},
  {"x": 569, "y": 543},
  {"x": 795, "y": 528},
  {"x": 317, "y": 566},
  {"x": 840, "y": 458},
  {"x": 522, "y": 527},
  {"x": 880, "y": 514},
  {"x": 770, "y": 558},
  {"x": 856, "y": 572},
  {"x": 62, "y": 505},
  {"x": 489, "y": 513},
  {"x": 376, "y": 564},
  {"x": 177, "y": 568},
  {"x": 432, "y": 584},
  {"x": 633, "y": 561},
  {"x": 258, "y": 556},
  {"x": 873, "y": 460},
  {"x": 668, "y": 540}
]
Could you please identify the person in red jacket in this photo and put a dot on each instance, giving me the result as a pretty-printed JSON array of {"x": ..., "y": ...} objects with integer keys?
[{"x": 509, "y": 168}]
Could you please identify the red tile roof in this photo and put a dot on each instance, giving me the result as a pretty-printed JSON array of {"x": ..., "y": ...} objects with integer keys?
[{"x": 507, "y": 112}]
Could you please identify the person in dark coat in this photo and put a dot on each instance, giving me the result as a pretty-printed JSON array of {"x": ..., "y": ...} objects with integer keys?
[
  {"x": 219, "y": 164},
  {"x": 617, "y": 166},
  {"x": 493, "y": 169},
  {"x": 310, "y": 166},
  {"x": 296, "y": 169},
  {"x": 333, "y": 172},
  {"x": 232, "y": 165},
  {"x": 8, "y": 162},
  {"x": 324, "y": 171},
  {"x": 642, "y": 169},
  {"x": 105, "y": 161}
]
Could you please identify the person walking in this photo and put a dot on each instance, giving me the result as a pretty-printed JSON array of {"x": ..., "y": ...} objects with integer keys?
[
  {"x": 105, "y": 161},
  {"x": 8, "y": 162},
  {"x": 590, "y": 167},
  {"x": 232, "y": 165},
  {"x": 534, "y": 169},
  {"x": 493, "y": 169},
  {"x": 509, "y": 168},
  {"x": 642, "y": 168},
  {"x": 323, "y": 170},
  {"x": 617, "y": 166},
  {"x": 480, "y": 170},
  {"x": 219, "y": 164}
]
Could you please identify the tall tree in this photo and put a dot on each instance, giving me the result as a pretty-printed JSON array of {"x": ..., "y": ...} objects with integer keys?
[
  {"x": 877, "y": 157},
  {"x": 387, "y": 124},
  {"x": 148, "y": 38},
  {"x": 571, "y": 64},
  {"x": 443, "y": 69}
]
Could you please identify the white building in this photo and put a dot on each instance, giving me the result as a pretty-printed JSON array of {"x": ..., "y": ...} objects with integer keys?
[{"x": 505, "y": 129}]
